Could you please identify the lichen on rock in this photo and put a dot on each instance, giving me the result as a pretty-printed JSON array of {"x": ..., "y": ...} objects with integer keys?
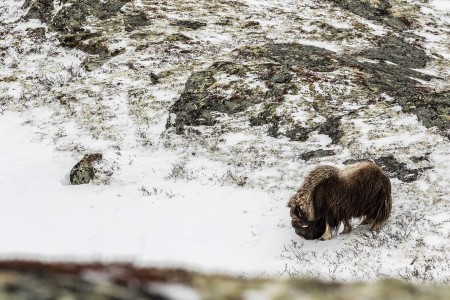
[{"x": 85, "y": 170}]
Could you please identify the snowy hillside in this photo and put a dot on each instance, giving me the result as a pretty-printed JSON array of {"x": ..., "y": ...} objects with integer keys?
[{"x": 208, "y": 115}]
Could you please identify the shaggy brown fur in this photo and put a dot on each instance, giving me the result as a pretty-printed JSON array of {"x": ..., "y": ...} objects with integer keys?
[{"x": 330, "y": 196}]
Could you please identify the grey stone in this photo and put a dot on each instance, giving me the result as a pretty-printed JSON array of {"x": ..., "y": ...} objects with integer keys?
[
  {"x": 373, "y": 10},
  {"x": 319, "y": 153},
  {"x": 394, "y": 49},
  {"x": 84, "y": 171}
]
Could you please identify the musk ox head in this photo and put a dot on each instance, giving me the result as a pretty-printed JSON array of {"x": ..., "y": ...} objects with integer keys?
[
  {"x": 304, "y": 219},
  {"x": 309, "y": 230}
]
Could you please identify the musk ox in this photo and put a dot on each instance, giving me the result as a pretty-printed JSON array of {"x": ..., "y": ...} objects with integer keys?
[{"x": 330, "y": 196}]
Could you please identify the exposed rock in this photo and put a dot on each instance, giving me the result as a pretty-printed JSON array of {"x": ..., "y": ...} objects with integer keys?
[
  {"x": 135, "y": 20},
  {"x": 37, "y": 33},
  {"x": 190, "y": 24},
  {"x": 72, "y": 40},
  {"x": 299, "y": 133},
  {"x": 377, "y": 10},
  {"x": 433, "y": 109},
  {"x": 394, "y": 49},
  {"x": 295, "y": 55},
  {"x": 331, "y": 128},
  {"x": 72, "y": 15},
  {"x": 71, "y": 18},
  {"x": 397, "y": 169},
  {"x": 203, "y": 97},
  {"x": 393, "y": 168},
  {"x": 177, "y": 37},
  {"x": 84, "y": 171},
  {"x": 251, "y": 24},
  {"x": 387, "y": 78},
  {"x": 266, "y": 116},
  {"x": 319, "y": 153}
]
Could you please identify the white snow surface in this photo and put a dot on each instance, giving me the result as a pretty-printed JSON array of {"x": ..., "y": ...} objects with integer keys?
[
  {"x": 209, "y": 203},
  {"x": 442, "y": 5},
  {"x": 179, "y": 224}
]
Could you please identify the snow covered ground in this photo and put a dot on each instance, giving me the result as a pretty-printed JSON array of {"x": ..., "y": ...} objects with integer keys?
[{"x": 215, "y": 202}]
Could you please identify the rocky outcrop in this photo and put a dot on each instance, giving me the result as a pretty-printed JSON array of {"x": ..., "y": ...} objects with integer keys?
[
  {"x": 396, "y": 50},
  {"x": 70, "y": 19},
  {"x": 264, "y": 74},
  {"x": 85, "y": 170},
  {"x": 234, "y": 87},
  {"x": 377, "y": 10},
  {"x": 72, "y": 15}
]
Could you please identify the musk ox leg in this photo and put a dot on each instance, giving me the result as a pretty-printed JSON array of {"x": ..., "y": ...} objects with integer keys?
[
  {"x": 347, "y": 227},
  {"x": 367, "y": 221},
  {"x": 327, "y": 234},
  {"x": 376, "y": 226}
]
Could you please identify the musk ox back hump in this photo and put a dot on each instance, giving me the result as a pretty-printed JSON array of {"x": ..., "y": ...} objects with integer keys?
[{"x": 366, "y": 192}]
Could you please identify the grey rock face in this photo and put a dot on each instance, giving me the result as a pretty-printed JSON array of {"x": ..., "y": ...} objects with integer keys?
[
  {"x": 295, "y": 55},
  {"x": 84, "y": 171},
  {"x": 394, "y": 49},
  {"x": 190, "y": 24},
  {"x": 203, "y": 96},
  {"x": 202, "y": 99},
  {"x": 316, "y": 154},
  {"x": 71, "y": 18},
  {"x": 374, "y": 10}
]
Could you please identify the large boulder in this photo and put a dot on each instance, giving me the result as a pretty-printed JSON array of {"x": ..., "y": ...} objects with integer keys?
[{"x": 84, "y": 171}]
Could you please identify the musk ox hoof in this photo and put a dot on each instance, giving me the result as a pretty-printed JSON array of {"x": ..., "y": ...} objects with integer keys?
[{"x": 326, "y": 237}]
